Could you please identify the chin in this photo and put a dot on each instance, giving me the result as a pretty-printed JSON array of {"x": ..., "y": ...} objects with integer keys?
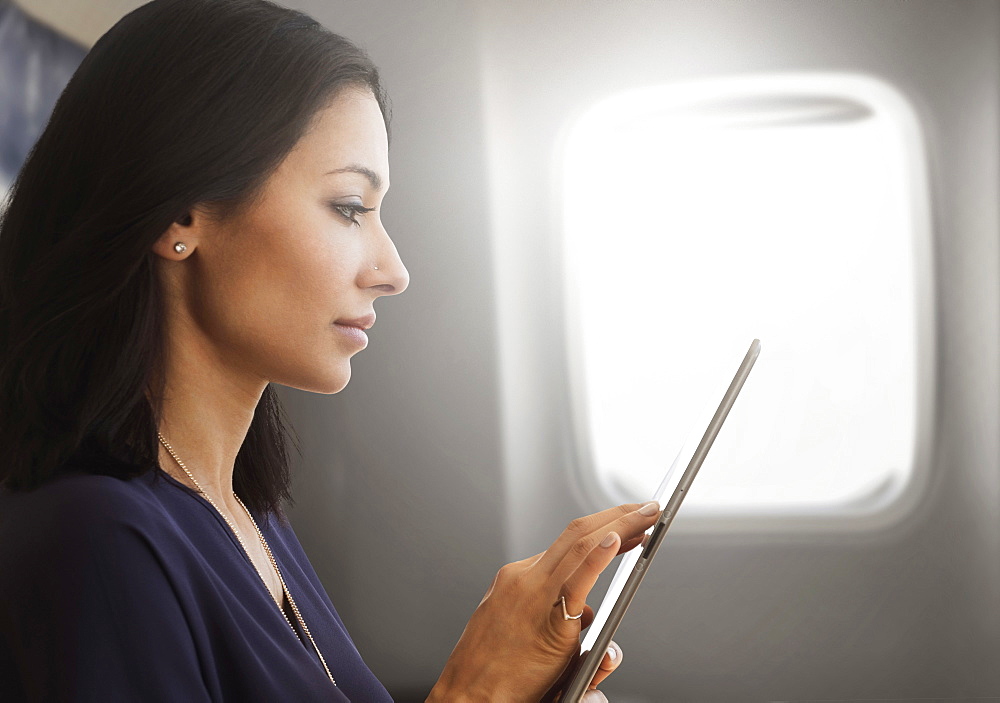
[
  {"x": 335, "y": 384},
  {"x": 328, "y": 384},
  {"x": 339, "y": 387}
]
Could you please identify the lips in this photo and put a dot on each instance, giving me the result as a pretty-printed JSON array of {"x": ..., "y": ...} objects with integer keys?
[{"x": 362, "y": 323}]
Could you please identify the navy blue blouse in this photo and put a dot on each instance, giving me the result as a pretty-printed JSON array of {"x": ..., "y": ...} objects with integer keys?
[{"x": 138, "y": 590}]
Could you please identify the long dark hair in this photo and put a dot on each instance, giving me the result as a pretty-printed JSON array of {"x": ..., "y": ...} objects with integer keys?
[{"x": 182, "y": 102}]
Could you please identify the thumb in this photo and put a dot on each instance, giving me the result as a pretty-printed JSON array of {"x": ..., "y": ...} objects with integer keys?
[{"x": 594, "y": 696}]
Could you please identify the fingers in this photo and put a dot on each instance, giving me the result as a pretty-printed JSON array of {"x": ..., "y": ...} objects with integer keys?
[
  {"x": 612, "y": 659},
  {"x": 631, "y": 544},
  {"x": 578, "y": 585},
  {"x": 627, "y": 526},
  {"x": 594, "y": 697},
  {"x": 581, "y": 527}
]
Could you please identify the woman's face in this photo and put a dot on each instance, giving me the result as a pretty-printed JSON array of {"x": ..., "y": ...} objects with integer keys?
[{"x": 277, "y": 293}]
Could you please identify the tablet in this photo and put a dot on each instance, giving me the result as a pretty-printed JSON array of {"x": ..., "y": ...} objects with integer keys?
[{"x": 635, "y": 563}]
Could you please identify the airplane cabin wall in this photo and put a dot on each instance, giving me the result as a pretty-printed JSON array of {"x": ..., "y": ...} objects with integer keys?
[
  {"x": 448, "y": 456},
  {"x": 903, "y": 612}
]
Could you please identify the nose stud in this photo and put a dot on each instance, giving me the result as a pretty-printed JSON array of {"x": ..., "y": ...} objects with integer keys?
[{"x": 376, "y": 268}]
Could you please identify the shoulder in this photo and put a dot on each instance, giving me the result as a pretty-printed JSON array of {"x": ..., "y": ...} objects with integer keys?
[
  {"x": 86, "y": 579},
  {"x": 78, "y": 538},
  {"x": 78, "y": 511},
  {"x": 86, "y": 499}
]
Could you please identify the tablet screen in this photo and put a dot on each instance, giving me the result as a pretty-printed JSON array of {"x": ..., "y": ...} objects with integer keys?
[
  {"x": 675, "y": 484},
  {"x": 667, "y": 486}
]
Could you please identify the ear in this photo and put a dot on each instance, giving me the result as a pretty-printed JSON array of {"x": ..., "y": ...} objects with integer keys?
[{"x": 187, "y": 229}]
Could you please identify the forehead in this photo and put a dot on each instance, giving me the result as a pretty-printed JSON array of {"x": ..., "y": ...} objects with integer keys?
[{"x": 349, "y": 131}]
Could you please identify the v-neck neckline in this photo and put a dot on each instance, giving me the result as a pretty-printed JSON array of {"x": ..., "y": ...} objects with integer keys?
[
  {"x": 296, "y": 627},
  {"x": 291, "y": 619}
]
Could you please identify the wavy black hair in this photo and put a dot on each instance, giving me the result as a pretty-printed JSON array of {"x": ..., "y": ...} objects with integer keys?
[{"x": 181, "y": 102}]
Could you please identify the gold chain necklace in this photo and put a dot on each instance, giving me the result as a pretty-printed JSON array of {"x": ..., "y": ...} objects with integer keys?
[{"x": 267, "y": 549}]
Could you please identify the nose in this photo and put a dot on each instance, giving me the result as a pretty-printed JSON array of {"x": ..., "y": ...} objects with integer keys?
[{"x": 391, "y": 276}]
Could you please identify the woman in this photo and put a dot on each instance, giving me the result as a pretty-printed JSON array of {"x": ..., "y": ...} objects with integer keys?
[{"x": 200, "y": 219}]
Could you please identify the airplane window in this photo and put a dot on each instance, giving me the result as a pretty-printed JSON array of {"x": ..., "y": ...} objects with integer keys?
[{"x": 701, "y": 215}]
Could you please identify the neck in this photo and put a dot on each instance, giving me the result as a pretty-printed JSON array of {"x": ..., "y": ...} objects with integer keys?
[{"x": 205, "y": 418}]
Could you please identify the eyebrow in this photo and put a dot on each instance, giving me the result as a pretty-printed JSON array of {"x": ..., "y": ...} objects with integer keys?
[{"x": 372, "y": 177}]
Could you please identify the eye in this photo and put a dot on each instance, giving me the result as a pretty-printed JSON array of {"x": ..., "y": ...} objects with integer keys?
[{"x": 350, "y": 211}]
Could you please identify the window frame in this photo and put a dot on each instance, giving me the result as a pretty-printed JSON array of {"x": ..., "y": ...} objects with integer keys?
[{"x": 596, "y": 488}]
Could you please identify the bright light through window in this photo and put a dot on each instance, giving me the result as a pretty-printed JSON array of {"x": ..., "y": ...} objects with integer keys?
[{"x": 700, "y": 216}]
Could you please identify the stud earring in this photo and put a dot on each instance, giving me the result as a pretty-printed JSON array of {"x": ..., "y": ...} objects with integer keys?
[{"x": 180, "y": 247}]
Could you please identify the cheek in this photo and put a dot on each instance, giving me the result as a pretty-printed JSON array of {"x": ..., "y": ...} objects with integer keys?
[
  {"x": 302, "y": 290},
  {"x": 319, "y": 283},
  {"x": 276, "y": 292}
]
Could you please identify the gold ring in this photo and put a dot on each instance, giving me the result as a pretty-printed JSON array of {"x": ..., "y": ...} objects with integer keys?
[{"x": 567, "y": 616}]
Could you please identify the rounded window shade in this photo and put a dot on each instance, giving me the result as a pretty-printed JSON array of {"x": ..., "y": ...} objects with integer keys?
[{"x": 700, "y": 216}]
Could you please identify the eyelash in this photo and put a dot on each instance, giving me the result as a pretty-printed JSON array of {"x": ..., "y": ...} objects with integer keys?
[{"x": 345, "y": 210}]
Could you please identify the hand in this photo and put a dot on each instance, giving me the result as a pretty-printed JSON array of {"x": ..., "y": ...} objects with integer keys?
[{"x": 517, "y": 645}]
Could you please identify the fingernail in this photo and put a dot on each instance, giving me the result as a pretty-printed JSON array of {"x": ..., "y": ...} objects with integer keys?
[
  {"x": 609, "y": 540},
  {"x": 594, "y": 696},
  {"x": 650, "y": 508},
  {"x": 613, "y": 652}
]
